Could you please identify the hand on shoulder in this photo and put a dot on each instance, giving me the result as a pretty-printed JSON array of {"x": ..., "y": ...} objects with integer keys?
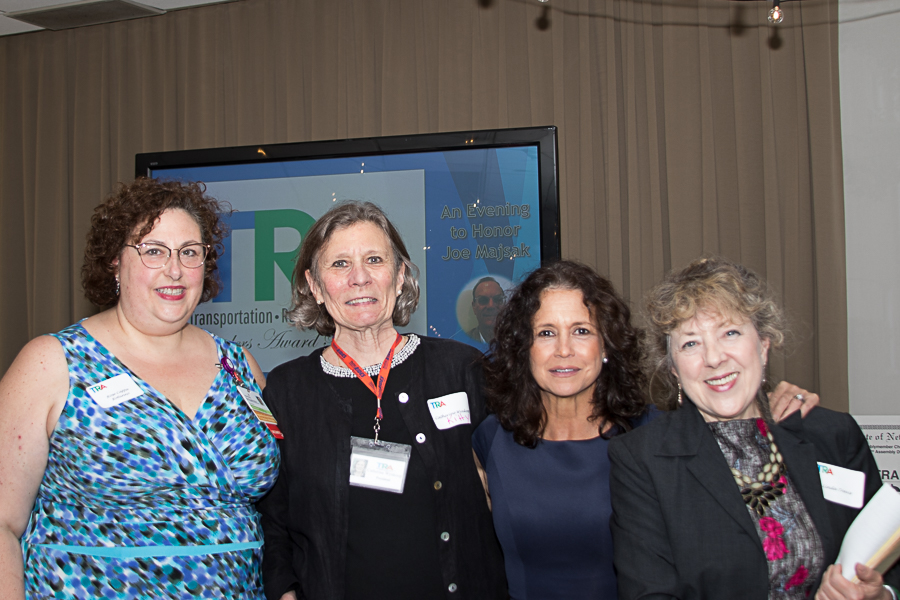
[{"x": 788, "y": 398}]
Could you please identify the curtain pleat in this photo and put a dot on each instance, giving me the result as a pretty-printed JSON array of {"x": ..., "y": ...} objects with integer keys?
[{"x": 686, "y": 127}]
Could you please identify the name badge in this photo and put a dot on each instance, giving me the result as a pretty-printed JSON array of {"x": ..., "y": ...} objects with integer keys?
[
  {"x": 842, "y": 486},
  {"x": 115, "y": 391},
  {"x": 378, "y": 465},
  {"x": 450, "y": 410},
  {"x": 262, "y": 412}
]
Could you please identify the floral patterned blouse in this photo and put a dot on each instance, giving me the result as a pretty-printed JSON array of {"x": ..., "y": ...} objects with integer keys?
[{"x": 787, "y": 533}]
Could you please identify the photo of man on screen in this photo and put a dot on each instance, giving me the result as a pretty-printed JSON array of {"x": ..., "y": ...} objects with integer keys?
[{"x": 487, "y": 300}]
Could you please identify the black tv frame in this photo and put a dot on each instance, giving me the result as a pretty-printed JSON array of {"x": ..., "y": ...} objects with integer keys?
[{"x": 545, "y": 138}]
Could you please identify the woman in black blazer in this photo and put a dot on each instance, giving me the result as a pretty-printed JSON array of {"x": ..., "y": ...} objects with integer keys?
[{"x": 715, "y": 501}]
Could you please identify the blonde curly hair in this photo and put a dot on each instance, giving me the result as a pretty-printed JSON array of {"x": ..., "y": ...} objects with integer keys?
[{"x": 712, "y": 284}]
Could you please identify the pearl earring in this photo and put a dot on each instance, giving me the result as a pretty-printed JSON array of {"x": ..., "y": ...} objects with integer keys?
[
  {"x": 605, "y": 360},
  {"x": 679, "y": 394},
  {"x": 118, "y": 287}
]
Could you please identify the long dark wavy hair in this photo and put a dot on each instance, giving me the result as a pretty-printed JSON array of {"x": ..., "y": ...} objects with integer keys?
[{"x": 512, "y": 392}]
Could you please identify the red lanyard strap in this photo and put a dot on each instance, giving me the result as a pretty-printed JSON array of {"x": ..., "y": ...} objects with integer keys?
[{"x": 383, "y": 372}]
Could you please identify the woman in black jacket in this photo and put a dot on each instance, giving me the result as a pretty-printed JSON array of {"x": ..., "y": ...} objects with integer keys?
[
  {"x": 410, "y": 519},
  {"x": 714, "y": 500}
]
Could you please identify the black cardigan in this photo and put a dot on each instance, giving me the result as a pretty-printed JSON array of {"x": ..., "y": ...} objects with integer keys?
[
  {"x": 680, "y": 527},
  {"x": 305, "y": 516}
]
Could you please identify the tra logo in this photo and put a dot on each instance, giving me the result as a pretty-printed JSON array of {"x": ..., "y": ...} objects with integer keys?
[
  {"x": 96, "y": 388},
  {"x": 265, "y": 258},
  {"x": 436, "y": 403},
  {"x": 825, "y": 470}
]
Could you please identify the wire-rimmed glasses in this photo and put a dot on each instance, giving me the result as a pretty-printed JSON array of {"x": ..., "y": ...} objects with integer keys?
[{"x": 156, "y": 256}]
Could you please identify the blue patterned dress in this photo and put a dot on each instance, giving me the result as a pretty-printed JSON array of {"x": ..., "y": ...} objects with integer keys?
[{"x": 138, "y": 501}]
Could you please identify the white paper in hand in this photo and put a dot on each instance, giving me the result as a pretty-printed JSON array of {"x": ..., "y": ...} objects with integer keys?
[{"x": 870, "y": 535}]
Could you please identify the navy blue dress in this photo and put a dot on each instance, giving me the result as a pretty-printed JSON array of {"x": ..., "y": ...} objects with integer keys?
[{"x": 551, "y": 510}]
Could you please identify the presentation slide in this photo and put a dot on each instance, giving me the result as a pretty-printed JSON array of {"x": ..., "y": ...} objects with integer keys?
[{"x": 464, "y": 215}]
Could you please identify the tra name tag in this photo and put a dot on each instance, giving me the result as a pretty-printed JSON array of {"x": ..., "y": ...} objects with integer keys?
[
  {"x": 450, "y": 410},
  {"x": 842, "y": 486},
  {"x": 115, "y": 390}
]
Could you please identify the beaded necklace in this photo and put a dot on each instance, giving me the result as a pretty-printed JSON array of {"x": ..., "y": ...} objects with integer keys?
[{"x": 758, "y": 493}]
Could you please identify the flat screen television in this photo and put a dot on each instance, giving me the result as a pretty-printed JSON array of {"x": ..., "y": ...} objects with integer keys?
[{"x": 470, "y": 205}]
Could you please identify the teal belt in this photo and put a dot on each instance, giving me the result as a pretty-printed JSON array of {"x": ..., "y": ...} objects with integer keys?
[{"x": 145, "y": 551}]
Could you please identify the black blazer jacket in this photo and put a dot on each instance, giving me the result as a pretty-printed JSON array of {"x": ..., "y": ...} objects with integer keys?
[{"x": 680, "y": 527}]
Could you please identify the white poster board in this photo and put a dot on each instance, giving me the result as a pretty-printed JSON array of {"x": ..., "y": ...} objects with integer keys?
[{"x": 883, "y": 435}]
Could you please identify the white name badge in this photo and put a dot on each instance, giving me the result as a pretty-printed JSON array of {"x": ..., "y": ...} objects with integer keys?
[
  {"x": 450, "y": 410},
  {"x": 254, "y": 401},
  {"x": 378, "y": 465},
  {"x": 115, "y": 390},
  {"x": 842, "y": 486}
]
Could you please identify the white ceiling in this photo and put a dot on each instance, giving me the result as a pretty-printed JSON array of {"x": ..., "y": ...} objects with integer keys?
[{"x": 11, "y": 26}]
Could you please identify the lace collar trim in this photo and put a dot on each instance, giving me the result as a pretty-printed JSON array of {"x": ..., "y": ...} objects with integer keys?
[{"x": 412, "y": 343}]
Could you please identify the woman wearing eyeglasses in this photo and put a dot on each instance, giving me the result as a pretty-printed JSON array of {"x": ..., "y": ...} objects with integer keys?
[{"x": 129, "y": 459}]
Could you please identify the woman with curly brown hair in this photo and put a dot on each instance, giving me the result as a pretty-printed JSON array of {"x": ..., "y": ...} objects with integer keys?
[
  {"x": 129, "y": 459},
  {"x": 563, "y": 378}
]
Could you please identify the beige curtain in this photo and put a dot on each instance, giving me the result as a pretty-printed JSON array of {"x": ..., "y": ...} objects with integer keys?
[{"x": 686, "y": 127}]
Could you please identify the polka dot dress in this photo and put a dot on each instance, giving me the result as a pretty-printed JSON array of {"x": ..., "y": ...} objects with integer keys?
[{"x": 138, "y": 500}]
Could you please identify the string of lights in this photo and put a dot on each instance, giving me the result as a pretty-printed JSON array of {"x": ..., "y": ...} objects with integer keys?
[{"x": 855, "y": 7}]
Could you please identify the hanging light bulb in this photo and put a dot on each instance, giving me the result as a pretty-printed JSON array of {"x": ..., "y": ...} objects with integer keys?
[{"x": 776, "y": 15}]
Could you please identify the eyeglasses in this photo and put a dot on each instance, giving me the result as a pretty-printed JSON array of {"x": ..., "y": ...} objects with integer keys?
[
  {"x": 485, "y": 300},
  {"x": 156, "y": 256}
]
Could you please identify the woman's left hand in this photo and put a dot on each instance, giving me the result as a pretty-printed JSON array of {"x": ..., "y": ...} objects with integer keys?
[
  {"x": 788, "y": 398},
  {"x": 836, "y": 587}
]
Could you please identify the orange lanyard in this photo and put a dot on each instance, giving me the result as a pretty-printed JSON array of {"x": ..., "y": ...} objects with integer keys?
[{"x": 378, "y": 389}]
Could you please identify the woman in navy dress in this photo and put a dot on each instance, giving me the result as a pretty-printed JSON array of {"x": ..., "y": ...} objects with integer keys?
[{"x": 563, "y": 377}]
